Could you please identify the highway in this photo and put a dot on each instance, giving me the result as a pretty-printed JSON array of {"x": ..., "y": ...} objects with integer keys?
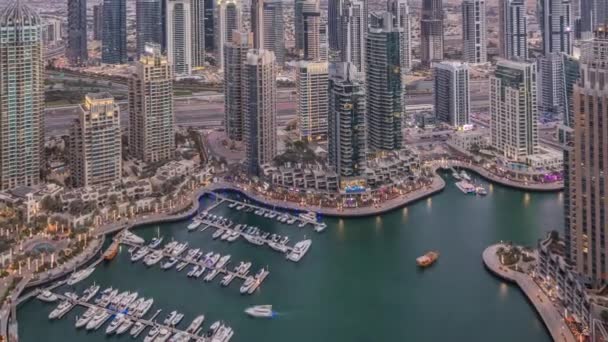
[{"x": 208, "y": 111}]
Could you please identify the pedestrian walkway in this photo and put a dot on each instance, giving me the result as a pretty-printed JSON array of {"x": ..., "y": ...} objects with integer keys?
[{"x": 544, "y": 306}]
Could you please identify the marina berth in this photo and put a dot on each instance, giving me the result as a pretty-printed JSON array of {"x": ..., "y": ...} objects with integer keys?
[{"x": 78, "y": 276}]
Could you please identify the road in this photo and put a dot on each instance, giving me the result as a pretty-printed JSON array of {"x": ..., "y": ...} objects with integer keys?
[{"x": 209, "y": 111}]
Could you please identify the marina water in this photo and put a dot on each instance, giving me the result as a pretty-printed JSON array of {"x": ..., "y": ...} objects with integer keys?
[{"x": 358, "y": 283}]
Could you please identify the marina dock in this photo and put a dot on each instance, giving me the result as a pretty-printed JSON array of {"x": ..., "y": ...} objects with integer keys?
[
  {"x": 148, "y": 322},
  {"x": 223, "y": 270},
  {"x": 298, "y": 219}
]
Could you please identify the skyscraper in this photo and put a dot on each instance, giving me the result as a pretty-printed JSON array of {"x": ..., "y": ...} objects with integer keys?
[
  {"x": 114, "y": 39},
  {"x": 97, "y": 22},
  {"x": 431, "y": 32},
  {"x": 235, "y": 55},
  {"x": 451, "y": 92},
  {"x": 513, "y": 29},
  {"x": 557, "y": 73},
  {"x": 198, "y": 29},
  {"x": 586, "y": 217},
  {"x": 401, "y": 15},
  {"x": 311, "y": 109},
  {"x": 334, "y": 11},
  {"x": 273, "y": 29},
  {"x": 227, "y": 19},
  {"x": 21, "y": 96},
  {"x": 179, "y": 36},
  {"x": 311, "y": 19},
  {"x": 77, "y": 32},
  {"x": 257, "y": 23},
  {"x": 149, "y": 23},
  {"x": 352, "y": 30},
  {"x": 95, "y": 142},
  {"x": 513, "y": 111},
  {"x": 346, "y": 121},
  {"x": 260, "y": 101},
  {"x": 384, "y": 86},
  {"x": 556, "y": 25},
  {"x": 474, "y": 31},
  {"x": 209, "y": 22},
  {"x": 298, "y": 24},
  {"x": 151, "y": 115}
]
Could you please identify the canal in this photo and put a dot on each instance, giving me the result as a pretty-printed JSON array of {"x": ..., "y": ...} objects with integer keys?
[{"x": 359, "y": 281}]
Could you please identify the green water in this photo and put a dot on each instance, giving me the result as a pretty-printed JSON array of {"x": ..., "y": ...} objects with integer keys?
[{"x": 358, "y": 282}]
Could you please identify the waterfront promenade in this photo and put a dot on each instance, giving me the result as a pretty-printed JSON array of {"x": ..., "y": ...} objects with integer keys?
[
  {"x": 547, "y": 310},
  {"x": 544, "y": 187}
]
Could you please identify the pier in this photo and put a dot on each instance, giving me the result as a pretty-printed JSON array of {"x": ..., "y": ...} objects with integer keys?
[
  {"x": 297, "y": 218},
  {"x": 224, "y": 270},
  {"x": 208, "y": 223},
  {"x": 148, "y": 322}
]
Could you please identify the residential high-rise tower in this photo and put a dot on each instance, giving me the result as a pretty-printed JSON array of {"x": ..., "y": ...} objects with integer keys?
[
  {"x": 235, "y": 56},
  {"x": 474, "y": 31},
  {"x": 95, "y": 143},
  {"x": 513, "y": 29},
  {"x": 311, "y": 109},
  {"x": 151, "y": 113},
  {"x": 179, "y": 36},
  {"x": 77, "y": 32},
  {"x": 451, "y": 92},
  {"x": 114, "y": 38},
  {"x": 431, "y": 32},
  {"x": 21, "y": 96}
]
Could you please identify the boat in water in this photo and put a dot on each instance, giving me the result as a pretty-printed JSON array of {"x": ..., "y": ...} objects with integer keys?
[
  {"x": 247, "y": 284},
  {"x": 193, "y": 225},
  {"x": 153, "y": 258},
  {"x": 196, "y": 323},
  {"x": 142, "y": 252},
  {"x": 80, "y": 275},
  {"x": 319, "y": 227},
  {"x": 481, "y": 191},
  {"x": 260, "y": 311},
  {"x": 155, "y": 242},
  {"x": 466, "y": 187},
  {"x": 98, "y": 320},
  {"x": 112, "y": 251},
  {"x": 127, "y": 236},
  {"x": 308, "y": 216},
  {"x": 61, "y": 310},
  {"x": 47, "y": 296},
  {"x": 465, "y": 176},
  {"x": 152, "y": 334},
  {"x": 427, "y": 259},
  {"x": 299, "y": 250},
  {"x": 89, "y": 293},
  {"x": 86, "y": 317}
]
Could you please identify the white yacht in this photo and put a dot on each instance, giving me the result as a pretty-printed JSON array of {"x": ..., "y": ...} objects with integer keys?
[
  {"x": 196, "y": 323},
  {"x": 137, "y": 329},
  {"x": 116, "y": 322},
  {"x": 85, "y": 318},
  {"x": 193, "y": 225},
  {"x": 465, "y": 176},
  {"x": 319, "y": 227},
  {"x": 152, "y": 334},
  {"x": 89, "y": 293},
  {"x": 227, "y": 279},
  {"x": 256, "y": 240},
  {"x": 100, "y": 317},
  {"x": 80, "y": 275},
  {"x": 163, "y": 335},
  {"x": 132, "y": 238},
  {"x": 260, "y": 311},
  {"x": 277, "y": 246},
  {"x": 153, "y": 258},
  {"x": 223, "y": 261},
  {"x": 226, "y": 235},
  {"x": 61, "y": 310},
  {"x": 299, "y": 250},
  {"x": 243, "y": 268},
  {"x": 169, "y": 247},
  {"x": 209, "y": 277},
  {"x": 309, "y": 216},
  {"x": 170, "y": 317},
  {"x": 247, "y": 284},
  {"x": 233, "y": 236},
  {"x": 144, "y": 308},
  {"x": 126, "y": 325},
  {"x": 139, "y": 254},
  {"x": 218, "y": 233},
  {"x": 169, "y": 264},
  {"x": 47, "y": 296},
  {"x": 179, "y": 249},
  {"x": 155, "y": 242},
  {"x": 178, "y": 318}
]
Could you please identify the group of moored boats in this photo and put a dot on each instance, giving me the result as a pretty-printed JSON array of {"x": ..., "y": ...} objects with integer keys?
[
  {"x": 465, "y": 185},
  {"x": 251, "y": 283},
  {"x": 178, "y": 256},
  {"x": 226, "y": 230},
  {"x": 125, "y": 311},
  {"x": 305, "y": 218}
]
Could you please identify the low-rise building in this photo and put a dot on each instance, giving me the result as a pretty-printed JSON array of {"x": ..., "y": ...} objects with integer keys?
[
  {"x": 465, "y": 141},
  {"x": 546, "y": 159}
]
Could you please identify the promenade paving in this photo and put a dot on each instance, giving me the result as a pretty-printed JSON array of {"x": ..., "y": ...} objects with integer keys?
[{"x": 549, "y": 313}]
